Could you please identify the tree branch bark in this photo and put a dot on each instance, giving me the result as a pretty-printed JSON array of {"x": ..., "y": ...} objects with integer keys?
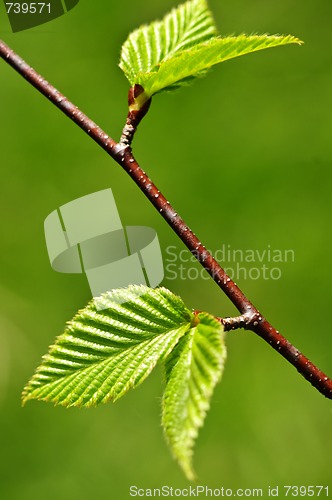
[{"x": 121, "y": 152}]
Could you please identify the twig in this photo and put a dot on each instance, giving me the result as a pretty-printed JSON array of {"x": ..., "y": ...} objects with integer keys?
[
  {"x": 135, "y": 115},
  {"x": 243, "y": 321},
  {"x": 122, "y": 154},
  {"x": 234, "y": 323}
]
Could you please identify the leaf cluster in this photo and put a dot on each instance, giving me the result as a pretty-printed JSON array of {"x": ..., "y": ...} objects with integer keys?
[
  {"x": 104, "y": 353},
  {"x": 167, "y": 54}
]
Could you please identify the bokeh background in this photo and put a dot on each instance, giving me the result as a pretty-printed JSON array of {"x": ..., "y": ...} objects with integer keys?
[{"x": 245, "y": 156}]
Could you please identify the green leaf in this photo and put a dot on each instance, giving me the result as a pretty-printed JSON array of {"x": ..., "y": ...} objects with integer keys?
[
  {"x": 149, "y": 45},
  {"x": 192, "y": 371},
  {"x": 104, "y": 353},
  {"x": 168, "y": 54},
  {"x": 192, "y": 62}
]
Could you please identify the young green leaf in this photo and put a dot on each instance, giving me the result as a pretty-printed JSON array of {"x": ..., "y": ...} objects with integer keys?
[
  {"x": 104, "y": 353},
  {"x": 191, "y": 23},
  {"x": 192, "y": 62},
  {"x": 193, "y": 369},
  {"x": 168, "y": 54}
]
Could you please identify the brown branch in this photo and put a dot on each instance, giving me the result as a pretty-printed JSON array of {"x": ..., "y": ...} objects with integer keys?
[
  {"x": 262, "y": 328},
  {"x": 121, "y": 152}
]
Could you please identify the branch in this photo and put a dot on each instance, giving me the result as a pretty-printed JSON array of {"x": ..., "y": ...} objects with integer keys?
[{"x": 121, "y": 152}]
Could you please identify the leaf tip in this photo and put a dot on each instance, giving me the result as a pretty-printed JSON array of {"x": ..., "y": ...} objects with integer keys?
[
  {"x": 25, "y": 396},
  {"x": 292, "y": 39},
  {"x": 189, "y": 472}
]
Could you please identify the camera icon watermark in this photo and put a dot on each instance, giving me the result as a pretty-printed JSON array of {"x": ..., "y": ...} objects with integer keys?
[{"x": 86, "y": 236}]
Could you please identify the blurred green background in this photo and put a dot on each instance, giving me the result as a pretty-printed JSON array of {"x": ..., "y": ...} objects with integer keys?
[{"x": 245, "y": 157}]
